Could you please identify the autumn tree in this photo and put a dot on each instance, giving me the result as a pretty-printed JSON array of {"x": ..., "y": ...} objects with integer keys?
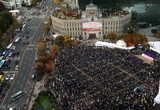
[
  {"x": 39, "y": 66},
  {"x": 57, "y": 2},
  {"x": 136, "y": 39},
  {"x": 74, "y": 42},
  {"x": 47, "y": 27},
  {"x": 112, "y": 36},
  {"x": 158, "y": 34},
  {"x": 127, "y": 37},
  {"x": 143, "y": 39},
  {"x": 42, "y": 59},
  {"x": 41, "y": 48},
  {"x": 59, "y": 40}
]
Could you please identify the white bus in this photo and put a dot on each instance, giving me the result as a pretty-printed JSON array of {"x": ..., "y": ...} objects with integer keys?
[
  {"x": 17, "y": 95},
  {"x": 16, "y": 41}
]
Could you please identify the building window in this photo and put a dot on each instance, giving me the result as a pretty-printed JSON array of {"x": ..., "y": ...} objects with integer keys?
[{"x": 100, "y": 33}]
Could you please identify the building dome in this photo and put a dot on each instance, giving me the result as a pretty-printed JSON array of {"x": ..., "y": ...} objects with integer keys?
[
  {"x": 121, "y": 43},
  {"x": 91, "y": 5}
]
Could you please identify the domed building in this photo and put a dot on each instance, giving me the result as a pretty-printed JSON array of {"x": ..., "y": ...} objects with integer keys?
[{"x": 91, "y": 23}]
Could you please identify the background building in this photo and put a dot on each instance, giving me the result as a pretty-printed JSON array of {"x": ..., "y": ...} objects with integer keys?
[
  {"x": 90, "y": 24},
  {"x": 14, "y": 4}
]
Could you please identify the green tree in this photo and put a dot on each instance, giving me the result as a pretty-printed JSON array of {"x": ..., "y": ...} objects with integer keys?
[
  {"x": 131, "y": 27},
  {"x": 112, "y": 36}
]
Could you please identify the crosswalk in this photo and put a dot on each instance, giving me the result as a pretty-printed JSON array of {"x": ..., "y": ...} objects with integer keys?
[
  {"x": 12, "y": 72},
  {"x": 15, "y": 58}
]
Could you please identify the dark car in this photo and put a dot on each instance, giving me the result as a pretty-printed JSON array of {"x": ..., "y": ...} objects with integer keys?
[
  {"x": 18, "y": 53},
  {"x": 6, "y": 86},
  {"x": 2, "y": 95}
]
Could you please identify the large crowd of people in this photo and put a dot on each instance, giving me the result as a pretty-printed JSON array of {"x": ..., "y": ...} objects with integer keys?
[{"x": 99, "y": 78}]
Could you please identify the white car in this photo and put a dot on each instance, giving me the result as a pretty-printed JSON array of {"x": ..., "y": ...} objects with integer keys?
[
  {"x": 16, "y": 68},
  {"x": 10, "y": 54},
  {"x": 12, "y": 76},
  {"x": 14, "y": 47},
  {"x": 7, "y": 58},
  {"x": 7, "y": 77}
]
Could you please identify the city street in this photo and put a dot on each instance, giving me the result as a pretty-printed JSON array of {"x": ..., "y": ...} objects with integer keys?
[{"x": 23, "y": 79}]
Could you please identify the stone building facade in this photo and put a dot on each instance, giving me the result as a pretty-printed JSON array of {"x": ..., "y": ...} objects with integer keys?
[{"x": 90, "y": 23}]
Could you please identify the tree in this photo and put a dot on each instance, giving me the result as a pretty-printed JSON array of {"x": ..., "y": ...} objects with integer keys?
[
  {"x": 41, "y": 40},
  {"x": 47, "y": 27},
  {"x": 127, "y": 37},
  {"x": 131, "y": 27},
  {"x": 2, "y": 7},
  {"x": 57, "y": 2},
  {"x": 40, "y": 66},
  {"x": 59, "y": 40},
  {"x": 42, "y": 59},
  {"x": 74, "y": 42},
  {"x": 112, "y": 36},
  {"x": 136, "y": 39},
  {"x": 158, "y": 34},
  {"x": 67, "y": 39},
  {"x": 41, "y": 48},
  {"x": 143, "y": 39}
]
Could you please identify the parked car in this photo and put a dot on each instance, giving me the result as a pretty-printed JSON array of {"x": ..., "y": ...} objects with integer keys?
[
  {"x": 6, "y": 86},
  {"x": 2, "y": 95},
  {"x": 14, "y": 47},
  {"x": 10, "y": 54},
  {"x": 12, "y": 77},
  {"x": 7, "y": 77},
  {"x": 33, "y": 76},
  {"x": 16, "y": 68}
]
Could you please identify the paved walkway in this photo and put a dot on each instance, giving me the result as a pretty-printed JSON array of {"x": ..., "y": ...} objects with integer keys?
[{"x": 38, "y": 86}]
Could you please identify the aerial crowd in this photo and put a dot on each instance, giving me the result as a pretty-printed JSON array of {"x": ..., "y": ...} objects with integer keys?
[{"x": 100, "y": 78}]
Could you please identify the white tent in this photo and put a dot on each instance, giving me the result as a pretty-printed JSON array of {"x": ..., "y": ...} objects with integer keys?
[
  {"x": 121, "y": 43},
  {"x": 155, "y": 46},
  {"x": 157, "y": 98},
  {"x": 112, "y": 45}
]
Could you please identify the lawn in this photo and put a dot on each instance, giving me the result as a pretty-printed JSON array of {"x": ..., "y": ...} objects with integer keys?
[{"x": 45, "y": 100}]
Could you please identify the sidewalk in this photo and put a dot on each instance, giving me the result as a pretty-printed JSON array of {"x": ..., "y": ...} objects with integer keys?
[{"x": 38, "y": 86}]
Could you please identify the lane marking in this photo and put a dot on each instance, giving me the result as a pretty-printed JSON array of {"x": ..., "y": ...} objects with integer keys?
[
  {"x": 14, "y": 89},
  {"x": 21, "y": 75},
  {"x": 17, "y": 81},
  {"x": 21, "y": 85},
  {"x": 4, "y": 99},
  {"x": 24, "y": 68},
  {"x": 24, "y": 78}
]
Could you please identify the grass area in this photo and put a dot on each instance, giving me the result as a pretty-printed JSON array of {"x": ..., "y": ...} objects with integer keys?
[{"x": 46, "y": 100}]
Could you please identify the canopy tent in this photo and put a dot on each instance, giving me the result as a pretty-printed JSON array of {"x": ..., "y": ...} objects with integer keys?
[
  {"x": 155, "y": 46},
  {"x": 157, "y": 98},
  {"x": 112, "y": 45}
]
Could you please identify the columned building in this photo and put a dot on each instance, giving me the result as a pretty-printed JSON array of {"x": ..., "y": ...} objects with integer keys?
[{"x": 90, "y": 24}]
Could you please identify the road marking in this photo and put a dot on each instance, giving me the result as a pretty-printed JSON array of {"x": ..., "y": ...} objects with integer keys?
[
  {"x": 17, "y": 81},
  {"x": 4, "y": 99},
  {"x": 21, "y": 75},
  {"x": 24, "y": 78},
  {"x": 21, "y": 85},
  {"x": 24, "y": 68},
  {"x": 20, "y": 99},
  {"x": 24, "y": 62},
  {"x": 14, "y": 89}
]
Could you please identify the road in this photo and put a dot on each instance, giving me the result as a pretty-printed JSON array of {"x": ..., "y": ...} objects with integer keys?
[{"x": 23, "y": 79}]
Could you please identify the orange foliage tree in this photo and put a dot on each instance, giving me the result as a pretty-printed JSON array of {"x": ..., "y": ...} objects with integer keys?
[
  {"x": 158, "y": 34},
  {"x": 127, "y": 37},
  {"x": 112, "y": 36},
  {"x": 42, "y": 59},
  {"x": 74, "y": 42}
]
